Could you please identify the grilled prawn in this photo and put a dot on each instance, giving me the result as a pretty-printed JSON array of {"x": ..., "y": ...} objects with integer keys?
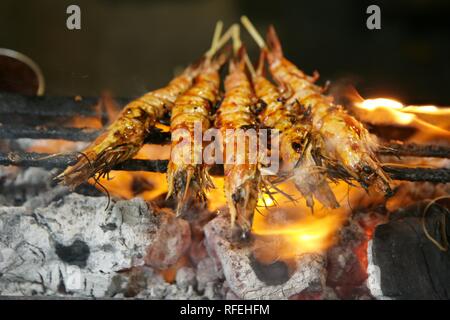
[
  {"x": 347, "y": 147},
  {"x": 125, "y": 136},
  {"x": 187, "y": 175},
  {"x": 298, "y": 141},
  {"x": 242, "y": 177}
]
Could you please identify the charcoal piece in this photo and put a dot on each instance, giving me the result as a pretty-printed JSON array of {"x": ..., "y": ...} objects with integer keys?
[
  {"x": 275, "y": 273},
  {"x": 241, "y": 278},
  {"x": 408, "y": 264},
  {"x": 171, "y": 242},
  {"x": 63, "y": 247},
  {"x": 75, "y": 254}
]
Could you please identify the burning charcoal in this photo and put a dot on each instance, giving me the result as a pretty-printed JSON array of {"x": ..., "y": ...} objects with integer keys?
[
  {"x": 241, "y": 277},
  {"x": 212, "y": 291},
  {"x": 171, "y": 242},
  {"x": 403, "y": 262},
  {"x": 185, "y": 277},
  {"x": 197, "y": 251},
  {"x": 207, "y": 273},
  {"x": 145, "y": 283},
  {"x": 64, "y": 248},
  {"x": 345, "y": 269}
]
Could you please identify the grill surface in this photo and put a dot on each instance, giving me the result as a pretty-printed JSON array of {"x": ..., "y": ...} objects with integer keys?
[{"x": 66, "y": 107}]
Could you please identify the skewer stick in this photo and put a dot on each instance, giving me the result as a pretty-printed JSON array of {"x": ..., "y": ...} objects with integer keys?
[
  {"x": 216, "y": 38},
  {"x": 236, "y": 38},
  {"x": 250, "y": 65},
  {"x": 220, "y": 42},
  {"x": 237, "y": 44},
  {"x": 217, "y": 33},
  {"x": 253, "y": 32}
]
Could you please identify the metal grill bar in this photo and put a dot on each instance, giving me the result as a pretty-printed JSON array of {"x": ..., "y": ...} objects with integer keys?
[
  {"x": 43, "y": 132},
  {"x": 48, "y": 161},
  {"x": 156, "y": 136},
  {"x": 438, "y": 175},
  {"x": 414, "y": 150},
  {"x": 47, "y": 106}
]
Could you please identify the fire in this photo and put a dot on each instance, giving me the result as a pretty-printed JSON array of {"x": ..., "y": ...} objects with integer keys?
[
  {"x": 429, "y": 120},
  {"x": 285, "y": 229},
  {"x": 147, "y": 185},
  {"x": 309, "y": 234},
  {"x": 216, "y": 197}
]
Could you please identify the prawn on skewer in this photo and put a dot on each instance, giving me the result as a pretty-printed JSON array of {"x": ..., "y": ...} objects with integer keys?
[
  {"x": 297, "y": 141},
  {"x": 187, "y": 175},
  {"x": 235, "y": 118}
]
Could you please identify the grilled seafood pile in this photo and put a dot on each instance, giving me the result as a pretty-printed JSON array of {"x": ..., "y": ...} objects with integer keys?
[
  {"x": 319, "y": 142},
  {"x": 346, "y": 143}
]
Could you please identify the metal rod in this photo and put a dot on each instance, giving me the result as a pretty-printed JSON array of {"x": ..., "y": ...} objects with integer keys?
[
  {"x": 61, "y": 161},
  {"x": 47, "y": 106},
  {"x": 435, "y": 175},
  {"x": 44, "y": 132},
  {"x": 11, "y": 103},
  {"x": 415, "y": 150},
  {"x": 156, "y": 136}
]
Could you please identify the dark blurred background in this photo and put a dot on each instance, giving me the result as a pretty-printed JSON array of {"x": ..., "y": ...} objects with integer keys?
[{"x": 129, "y": 47}]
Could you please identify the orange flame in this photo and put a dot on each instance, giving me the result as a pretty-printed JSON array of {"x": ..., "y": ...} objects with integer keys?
[
  {"x": 430, "y": 120},
  {"x": 285, "y": 229},
  {"x": 154, "y": 184}
]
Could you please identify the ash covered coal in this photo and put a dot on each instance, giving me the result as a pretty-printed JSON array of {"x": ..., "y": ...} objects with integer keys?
[
  {"x": 54, "y": 242},
  {"x": 248, "y": 279},
  {"x": 64, "y": 248},
  {"x": 57, "y": 243}
]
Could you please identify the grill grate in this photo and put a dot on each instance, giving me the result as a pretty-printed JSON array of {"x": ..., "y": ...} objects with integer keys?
[{"x": 65, "y": 107}]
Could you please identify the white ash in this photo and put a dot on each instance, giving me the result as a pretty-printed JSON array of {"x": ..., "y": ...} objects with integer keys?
[
  {"x": 145, "y": 283},
  {"x": 241, "y": 277},
  {"x": 19, "y": 186},
  {"x": 207, "y": 273},
  {"x": 72, "y": 246},
  {"x": 374, "y": 275},
  {"x": 186, "y": 277}
]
